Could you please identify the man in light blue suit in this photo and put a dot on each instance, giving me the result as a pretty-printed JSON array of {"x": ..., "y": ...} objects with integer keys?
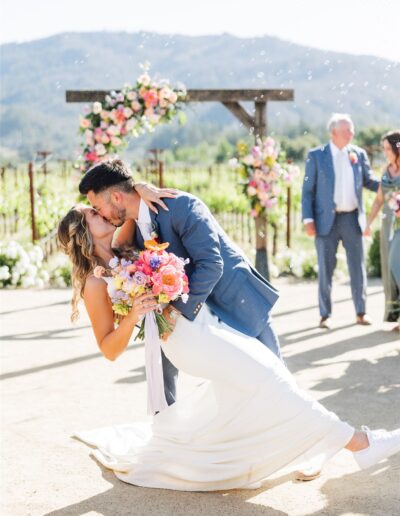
[
  {"x": 333, "y": 211},
  {"x": 219, "y": 274}
]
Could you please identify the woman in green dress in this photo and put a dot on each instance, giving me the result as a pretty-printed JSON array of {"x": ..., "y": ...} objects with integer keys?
[{"x": 390, "y": 231}]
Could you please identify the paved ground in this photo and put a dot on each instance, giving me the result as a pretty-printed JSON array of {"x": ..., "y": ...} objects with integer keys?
[{"x": 54, "y": 382}]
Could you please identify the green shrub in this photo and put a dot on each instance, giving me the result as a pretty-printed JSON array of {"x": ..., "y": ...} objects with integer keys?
[{"x": 374, "y": 257}]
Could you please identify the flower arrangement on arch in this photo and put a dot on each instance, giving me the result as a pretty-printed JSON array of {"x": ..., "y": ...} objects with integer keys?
[
  {"x": 264, "y": 173},
  {"x": 130, "y": 112}
]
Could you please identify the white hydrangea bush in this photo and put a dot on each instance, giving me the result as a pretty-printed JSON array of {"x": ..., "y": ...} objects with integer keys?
[
  {"x": 303, "y": 264},
  {"x": 24, "y": 266}
]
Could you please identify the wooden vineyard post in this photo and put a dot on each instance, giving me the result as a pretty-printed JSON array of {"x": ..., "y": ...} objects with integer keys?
[
  {"x": 161, "y": 173},
  {"x": 288, "y": 217},
  {"x": 32, "y": 199},
  {"x": 261, "y": 246},
  {"x": 260, "y": 130}
]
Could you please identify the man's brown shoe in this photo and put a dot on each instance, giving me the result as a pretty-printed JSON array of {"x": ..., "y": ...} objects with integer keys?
[
  {"x": 326, "y": 323},
  {"x": 364, "y": 320}
]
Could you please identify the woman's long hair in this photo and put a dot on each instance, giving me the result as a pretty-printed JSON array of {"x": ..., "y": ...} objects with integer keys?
[
  {"x": 75, "y": 240},
  {"x": 393, "y": 139}
]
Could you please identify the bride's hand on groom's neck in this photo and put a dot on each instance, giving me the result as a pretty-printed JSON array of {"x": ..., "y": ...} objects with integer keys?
[{"x": 153, "y": 195}]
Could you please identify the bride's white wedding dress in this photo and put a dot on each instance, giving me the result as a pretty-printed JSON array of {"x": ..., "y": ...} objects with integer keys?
[{"x": 247, "y": 421}]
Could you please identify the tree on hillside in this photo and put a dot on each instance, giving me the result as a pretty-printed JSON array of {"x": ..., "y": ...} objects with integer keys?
[{"x": 370, "y": 140}]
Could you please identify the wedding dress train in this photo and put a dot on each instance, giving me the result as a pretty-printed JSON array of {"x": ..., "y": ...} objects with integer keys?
[{"x": 245, "y": 422}]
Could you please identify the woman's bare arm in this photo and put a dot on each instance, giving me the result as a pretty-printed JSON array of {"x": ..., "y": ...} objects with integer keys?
[
  {"x": 112, "y": 341},
  {"x": 376, "y": 206},
  {"x": 125, "y": 234}
]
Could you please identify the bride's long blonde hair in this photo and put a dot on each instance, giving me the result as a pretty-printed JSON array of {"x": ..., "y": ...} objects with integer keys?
[{"x": 75, "y": 240}]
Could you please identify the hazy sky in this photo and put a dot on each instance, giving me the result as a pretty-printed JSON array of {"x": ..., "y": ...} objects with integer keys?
[{"x": 353, "y": 26}]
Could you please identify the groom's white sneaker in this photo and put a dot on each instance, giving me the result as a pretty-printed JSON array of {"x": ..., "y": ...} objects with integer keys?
[{"x": 382, "y": 444}]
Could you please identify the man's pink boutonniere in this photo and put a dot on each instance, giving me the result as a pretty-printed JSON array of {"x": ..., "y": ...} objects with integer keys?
[{"x": 353, "y": 157}]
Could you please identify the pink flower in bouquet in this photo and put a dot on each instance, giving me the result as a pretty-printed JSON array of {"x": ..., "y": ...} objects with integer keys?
[
  {"x": 167, "y": 281},
  {"x": 394, "y": 203},
  {"x": 253, "y": 213},
  {"x": 174, "y": 261},
  {"x": 143, "y": 267},
  {"x": 105, "y": 139},
  {"x": 185, "y": 284},
  {"x": 140, "y": 278},
  {"x": 251, "y": 191}
]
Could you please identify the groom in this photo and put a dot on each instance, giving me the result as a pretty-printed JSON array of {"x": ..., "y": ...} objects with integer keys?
[{"x": 219, "y": 274}]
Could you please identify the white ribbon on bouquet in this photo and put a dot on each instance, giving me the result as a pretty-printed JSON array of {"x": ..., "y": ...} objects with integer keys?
[{"x": 156, "y": 401}]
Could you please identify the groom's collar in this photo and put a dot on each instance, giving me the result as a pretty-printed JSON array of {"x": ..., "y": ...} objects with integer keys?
[{"x": 144, "y": 216}]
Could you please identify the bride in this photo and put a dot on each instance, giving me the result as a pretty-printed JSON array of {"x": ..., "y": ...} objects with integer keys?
[{"x": 246, "y": 422}]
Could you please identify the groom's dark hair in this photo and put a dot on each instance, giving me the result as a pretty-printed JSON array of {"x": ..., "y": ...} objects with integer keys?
[{"x": 107, "y": 174}]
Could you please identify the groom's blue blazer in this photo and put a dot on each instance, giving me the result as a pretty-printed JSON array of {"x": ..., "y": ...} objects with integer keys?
[{"x": 219, "y": 274}]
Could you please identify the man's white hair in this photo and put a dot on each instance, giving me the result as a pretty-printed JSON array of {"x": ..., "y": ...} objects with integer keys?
[{"x": 337, "y": 118}]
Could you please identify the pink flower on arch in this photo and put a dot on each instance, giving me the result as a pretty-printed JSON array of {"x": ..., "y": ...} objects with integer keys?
[{"x": 150, "y": 98}]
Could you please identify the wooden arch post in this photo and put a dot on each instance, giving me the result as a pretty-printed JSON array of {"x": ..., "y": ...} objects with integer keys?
[{"x": 256, "y": 123}]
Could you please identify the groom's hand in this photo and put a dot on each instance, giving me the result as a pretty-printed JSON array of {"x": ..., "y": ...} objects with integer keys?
[{"x": 171, "y": 315}]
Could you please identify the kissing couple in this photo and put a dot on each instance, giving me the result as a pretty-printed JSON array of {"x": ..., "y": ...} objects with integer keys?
[{"x": 249, "y": 419}]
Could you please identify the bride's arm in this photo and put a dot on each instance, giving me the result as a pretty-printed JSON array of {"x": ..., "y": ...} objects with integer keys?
[
  {"x": 112, "y": 341},
  {"x": 125, "y": 234}
]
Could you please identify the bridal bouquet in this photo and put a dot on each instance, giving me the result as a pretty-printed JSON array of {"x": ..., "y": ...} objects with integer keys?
[
  {"x": 153, "y": 270},
  {"x": 394, "y": 203}
]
